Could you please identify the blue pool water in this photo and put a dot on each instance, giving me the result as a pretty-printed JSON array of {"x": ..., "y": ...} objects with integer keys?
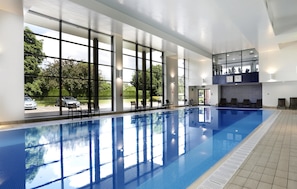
[{"x": 169, "y": 149}]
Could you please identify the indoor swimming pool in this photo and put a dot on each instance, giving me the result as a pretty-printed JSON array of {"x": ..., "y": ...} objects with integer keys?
[{"x": 157, "y": 149}]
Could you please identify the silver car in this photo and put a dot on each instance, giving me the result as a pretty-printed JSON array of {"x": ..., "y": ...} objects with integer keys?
[
  {"x": 68, "y": 101},
  {"x": 29, "y": 103}
]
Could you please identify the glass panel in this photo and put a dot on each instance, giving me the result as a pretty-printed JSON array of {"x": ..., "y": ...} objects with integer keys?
[
  {"x": 249, "y": 55},
  {"x": 246, "y": 67},
  {"x": 181, "y": 95},
  {"x": 105, "y": 95},
  {"x": 157, "y": 84},
  {"x": 234, "y": 68},
  {"x": 129, "y": 95},
  {"x": 140, "y": 104},
  {"x": 129, "y": 62},
  {"x": 105, "y": 72},
  {"x": 234, "y": 57},
  {"x": 250, "y": 60},
  {"x": 219, "y": 64},
  {"x": 129, "y": 75},
  {"x": 201, "y": 96},
  {"x": 105, "y": 57},
  {"x": 139, "y": 64},
  {"x": 48, "y": 44},
  {"x": 74, "y": 51},
  {"x": 234, "y": 62},
  {"x": 45, "y": 31},
  {"x": 181, "y": 72},
  {"x": 181, "y": 63}
]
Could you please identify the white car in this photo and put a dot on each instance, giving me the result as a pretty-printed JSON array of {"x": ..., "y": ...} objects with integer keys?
[
  {"x": 29, "y": 103},
  {"x": 68, "y": 101}
]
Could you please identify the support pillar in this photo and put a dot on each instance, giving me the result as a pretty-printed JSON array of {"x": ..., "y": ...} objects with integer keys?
[
  {"x": 11, "y": 60},
  {"x": 172, "y": 80},
  {"x": 118, "y": 70}
]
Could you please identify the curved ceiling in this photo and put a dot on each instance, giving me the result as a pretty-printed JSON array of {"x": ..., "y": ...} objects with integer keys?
[{"x": 191, "y": 29}]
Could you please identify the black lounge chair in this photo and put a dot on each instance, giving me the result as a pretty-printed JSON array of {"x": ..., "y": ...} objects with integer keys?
[
  {"x": 246, "y": 103},
  {"x": 223, "y": 102},
  {"x": 281, "y": 104},
  {"x": 293, "y": 103},
  {"x": 233, "y": 102},
  {"x": 259, "y": 103}
]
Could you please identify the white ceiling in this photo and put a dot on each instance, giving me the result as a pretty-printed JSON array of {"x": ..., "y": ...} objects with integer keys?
[{"x": 191, "y": 29}]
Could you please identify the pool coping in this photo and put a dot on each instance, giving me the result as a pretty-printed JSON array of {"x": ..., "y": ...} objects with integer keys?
[{"x": 219, "y": 175}]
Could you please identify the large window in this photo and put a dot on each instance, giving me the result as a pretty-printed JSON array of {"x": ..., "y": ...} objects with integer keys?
[
  {"x": 142, "y": 76},
  {"x": 237, "y": 62},
  {"x": 236, "y": 67},
  {"x": 67, "y": 61}
]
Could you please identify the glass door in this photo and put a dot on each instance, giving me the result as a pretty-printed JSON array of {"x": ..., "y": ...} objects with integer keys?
[
  {"x": 204, "y": 96},
  {"x": 201, "y": 96}
]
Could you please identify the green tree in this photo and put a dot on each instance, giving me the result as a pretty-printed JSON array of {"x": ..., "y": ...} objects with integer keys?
[
  {"x": 74, "y": 77},
  {"x": 33, "y": 57},
  {"x": 156, "y": 80}
]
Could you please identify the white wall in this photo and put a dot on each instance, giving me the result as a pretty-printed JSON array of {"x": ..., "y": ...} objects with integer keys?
[
  {"x": 11, "y": 61},
  {"x": 271, "y": 91},
  {"x": 197, "y": 72},
  {"x": 283, "y": 65}
]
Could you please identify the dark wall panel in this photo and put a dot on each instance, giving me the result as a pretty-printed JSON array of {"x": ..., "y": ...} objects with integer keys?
[{"x": 252, "y": 92}]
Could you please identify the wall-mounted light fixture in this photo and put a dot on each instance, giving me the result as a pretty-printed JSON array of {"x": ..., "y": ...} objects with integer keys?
[
  {"x": 271, "y": 77},
  {"x": 172, "y": 80},
  {"x": 203, "y": 81},
  {"x": 119, "y": 74}
]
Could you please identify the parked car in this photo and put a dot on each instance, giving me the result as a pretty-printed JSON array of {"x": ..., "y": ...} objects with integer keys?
[
  {"x": 29, "y": 103},
  {"x": 68, "y": 101}
]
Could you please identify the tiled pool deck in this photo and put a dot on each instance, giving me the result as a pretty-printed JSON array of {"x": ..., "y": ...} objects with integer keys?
[{"x": 270, "y": 163}]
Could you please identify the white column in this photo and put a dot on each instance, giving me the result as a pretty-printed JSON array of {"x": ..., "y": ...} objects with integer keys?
[
  {"x": 171, "y": 82},
  {"x": 11, "y": 60},
  {"x": 118, "y": 73}
]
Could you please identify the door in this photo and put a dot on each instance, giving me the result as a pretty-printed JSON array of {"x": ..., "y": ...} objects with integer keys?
[
  {"x": 200, "y": 96},
  {"x": 204, "y": 96}
]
